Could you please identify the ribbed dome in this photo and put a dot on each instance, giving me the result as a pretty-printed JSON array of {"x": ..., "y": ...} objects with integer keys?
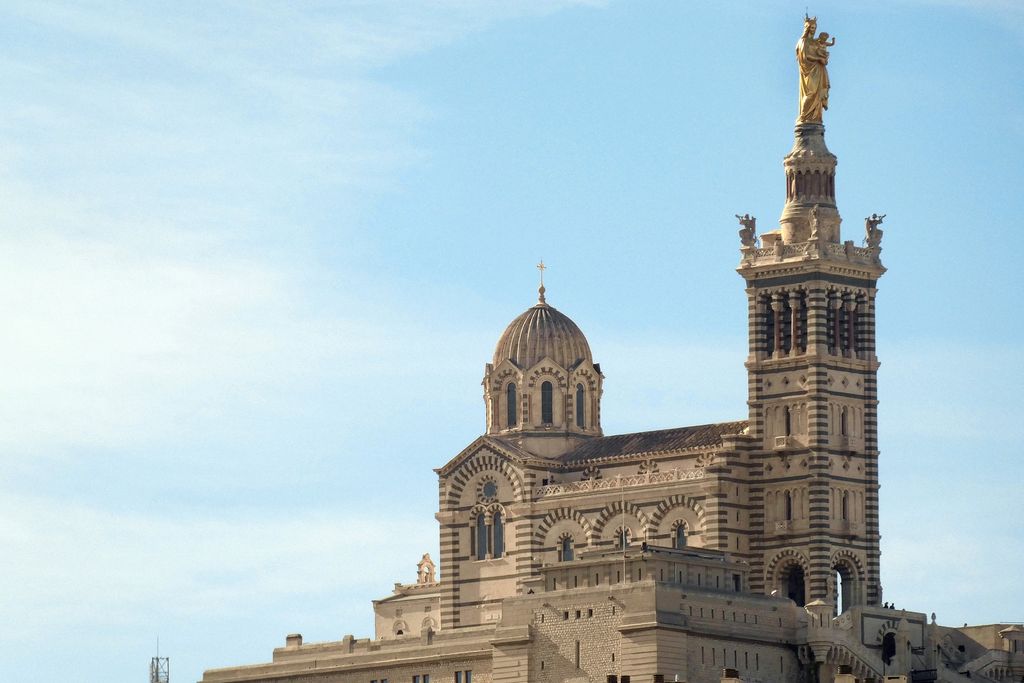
[{"x": 542, "y": 332}]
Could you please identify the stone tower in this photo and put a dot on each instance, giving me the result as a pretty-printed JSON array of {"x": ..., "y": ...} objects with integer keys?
[{"x": 812, "y": 389}]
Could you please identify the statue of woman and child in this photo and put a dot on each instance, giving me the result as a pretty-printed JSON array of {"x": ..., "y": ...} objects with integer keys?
[{"x": 812, "y": 58}]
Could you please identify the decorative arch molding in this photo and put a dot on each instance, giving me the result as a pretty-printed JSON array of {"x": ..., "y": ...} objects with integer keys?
[
  {"x": 488, "y": 510},
  {"x": 619, "y": 507},
  {"x": 585, "y": 373},
  {"x": 546, "y": 369},
  {"x": 505, "y": 372},
  {"x": 671, "y": 503},
  {"x": 556, "y": 516},
  {"x": 483, "y": 461},
  {"x": 785, "y": 558},
  {"x": 891, "y": 626},
  {"x": 849, "y": 558}
]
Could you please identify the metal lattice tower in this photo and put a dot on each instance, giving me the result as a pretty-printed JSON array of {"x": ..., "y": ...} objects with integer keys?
[{"x": 160, "y": 670}]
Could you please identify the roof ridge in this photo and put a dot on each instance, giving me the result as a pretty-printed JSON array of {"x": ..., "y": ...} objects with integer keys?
[{"x": 668, "y": 440}]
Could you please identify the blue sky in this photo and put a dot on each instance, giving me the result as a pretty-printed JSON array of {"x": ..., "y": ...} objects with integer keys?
[{"x": 254, "y": 258}]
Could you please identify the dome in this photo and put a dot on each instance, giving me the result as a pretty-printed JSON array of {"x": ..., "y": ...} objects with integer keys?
[{"x": 542, "y": 332}]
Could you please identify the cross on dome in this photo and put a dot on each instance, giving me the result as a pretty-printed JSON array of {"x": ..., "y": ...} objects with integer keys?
[{"x": 540, "y": 290}]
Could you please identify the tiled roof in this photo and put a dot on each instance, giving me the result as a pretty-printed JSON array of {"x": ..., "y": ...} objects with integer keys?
[{"x": 653, "y": 442}]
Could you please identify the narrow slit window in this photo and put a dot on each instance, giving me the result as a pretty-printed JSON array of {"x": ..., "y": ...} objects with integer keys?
[
  {"x": 581, "y": 420},
  {"x": 481, "y": 538},
  {"x": 511, "y": 414},
  {"x": 498, "y": 531}
]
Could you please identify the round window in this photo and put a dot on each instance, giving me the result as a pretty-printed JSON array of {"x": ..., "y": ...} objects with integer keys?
[{"x": 490, "y": 489}]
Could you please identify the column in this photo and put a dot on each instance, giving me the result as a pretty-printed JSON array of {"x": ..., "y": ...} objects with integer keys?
[
  {"x": 817, "y": 321},
  {"x": 794, "y": 308},
  {"x": 777, "y": 304}
]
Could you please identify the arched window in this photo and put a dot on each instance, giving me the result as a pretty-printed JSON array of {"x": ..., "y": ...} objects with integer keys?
[
  {"x": 842, "y": 422},
  {"x": 789, "y": 421},
  {"x": 622, "y": 537},
  {"x": 580, "y": 409},
  {"x": 546, "y": 404},
  {"x": 679, "y": 538},
  {"x": 498, "y": 532},
  {"x": 510, "y": 405},
  {"x": 481, "y": 538},
  {"x": 565, "y": 550},
  {"x": 844, "y": 507},
  {"x": 789, "y": 506}
]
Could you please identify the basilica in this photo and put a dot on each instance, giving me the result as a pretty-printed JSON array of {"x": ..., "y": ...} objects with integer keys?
[{"x": 738, "y": 551}]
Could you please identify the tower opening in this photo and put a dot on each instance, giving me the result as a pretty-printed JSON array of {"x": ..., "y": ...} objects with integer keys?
[
  {"x": 848, "y": 587},
  {"x": 888, "y": 647},
  {"x": 793, "y": 581},
  {"x": 844, "y": 592}
]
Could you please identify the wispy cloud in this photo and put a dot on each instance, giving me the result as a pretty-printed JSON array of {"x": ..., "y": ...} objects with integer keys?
[
  {"x": 151, "y": 175},
  {"x": 84, "y": 566}
]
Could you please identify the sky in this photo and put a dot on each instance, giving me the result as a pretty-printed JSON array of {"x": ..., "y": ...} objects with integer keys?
[{"x": 254, "y": 257}]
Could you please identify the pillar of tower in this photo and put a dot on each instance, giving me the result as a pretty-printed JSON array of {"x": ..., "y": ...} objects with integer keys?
[
  {"x": 777, "y": 306},
  {"x": 817, "y": 321},
  {"x": 873, "y": 593},
  {"x": 449, "y": 571}
]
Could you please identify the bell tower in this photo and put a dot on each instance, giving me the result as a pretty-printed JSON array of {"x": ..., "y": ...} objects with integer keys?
[{"x": 812, "y": 374}]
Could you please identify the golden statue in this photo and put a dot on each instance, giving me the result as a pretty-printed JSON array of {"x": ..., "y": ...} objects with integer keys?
[{"x": 812, "y": 58}]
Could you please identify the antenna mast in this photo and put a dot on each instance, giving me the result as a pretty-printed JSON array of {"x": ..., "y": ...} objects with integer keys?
[{"x": 160, "y": 669}]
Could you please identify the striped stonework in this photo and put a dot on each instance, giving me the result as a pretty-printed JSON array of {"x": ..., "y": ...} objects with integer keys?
[{"x": 811, "y": 359}]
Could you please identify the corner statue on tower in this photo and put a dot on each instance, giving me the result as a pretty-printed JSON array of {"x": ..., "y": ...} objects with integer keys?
[{"x": 812, "y": 58}]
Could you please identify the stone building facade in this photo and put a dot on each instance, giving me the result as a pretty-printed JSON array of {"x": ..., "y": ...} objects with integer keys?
[{"x": 743, "y": 550}]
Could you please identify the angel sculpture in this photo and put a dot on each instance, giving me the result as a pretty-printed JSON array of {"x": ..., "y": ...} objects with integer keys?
[{"x": 748, "y": 235}]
